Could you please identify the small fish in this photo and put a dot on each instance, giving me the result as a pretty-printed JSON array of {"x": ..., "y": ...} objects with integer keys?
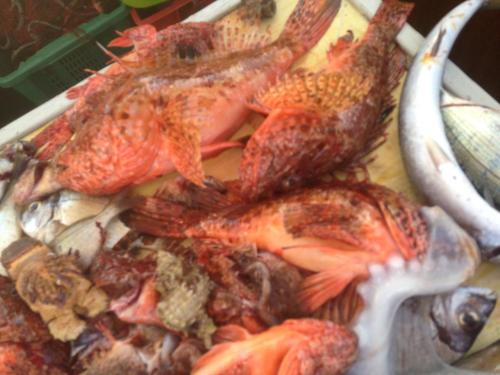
[
  {"x": 44, "y": 220},
  {"x": 474, "y": 134},
  {"x": 426, "y": 151},
  {"x": 88, "y": 236}
]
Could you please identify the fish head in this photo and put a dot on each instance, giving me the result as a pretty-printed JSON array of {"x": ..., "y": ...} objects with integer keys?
[
  {"x": 459, "y": 316},
  {"x": 37, "y": 181},
  {"x": 37, "y": 216}
]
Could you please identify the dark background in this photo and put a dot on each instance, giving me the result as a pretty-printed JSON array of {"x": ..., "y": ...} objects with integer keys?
[{"x": 477, "y": 52}]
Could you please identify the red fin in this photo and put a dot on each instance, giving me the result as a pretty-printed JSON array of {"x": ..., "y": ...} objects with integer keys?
[
  {"x": 214, "y": 196},
  {"x": 286, "y": 146},
  {"x": 140, "y": 37},
  {"x": 231, "y": 333},
  {"x": 214, "y": 149},
  {"x": 214, "y": 355},
  {"x": 343, "y": 44},
  {"x": 53, "y": 137},
  {"x": 239, "y": 38},
  {"x": 320, "y": 220},
  {"x": 161, "y": 218},
  {"x": 182, "y": 137},
  {"x": 308, "y": 22},
  {"x": 389, "y": 19},
  {"x": 319, "y": 288}
]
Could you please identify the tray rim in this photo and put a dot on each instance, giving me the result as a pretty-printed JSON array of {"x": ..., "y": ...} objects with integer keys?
[{"x": 410, "y": 40}]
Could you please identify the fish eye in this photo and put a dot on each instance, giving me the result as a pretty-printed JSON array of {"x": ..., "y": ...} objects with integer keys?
[
  {"x": 33, "y": 206},
  {"x": 469, "y": 320}
]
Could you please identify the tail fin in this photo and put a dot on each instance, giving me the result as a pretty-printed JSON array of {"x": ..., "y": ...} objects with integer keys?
[
  {"x": 390, "y": 18},
  {"x": 161, "y": 218},
  {"x": 308, "y": 22}
]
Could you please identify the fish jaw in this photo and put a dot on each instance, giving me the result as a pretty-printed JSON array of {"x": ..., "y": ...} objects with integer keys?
[
  {"x": 37, "y": 181},
  {"x": 452, "y": 257},
  {"x": 427, "y": 154}
]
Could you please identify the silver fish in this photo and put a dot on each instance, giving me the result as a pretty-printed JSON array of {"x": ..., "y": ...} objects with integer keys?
[
  {"x": 426, "y": 151},
  {"x": 9, "y": 213},
  {"x": 474, "y": 134},
  {"x": 46, "y": 219},
  {"x": 88, "y": 236},
  {"x": 451, "y": 258},
  {"x": 414, "y": 350}
]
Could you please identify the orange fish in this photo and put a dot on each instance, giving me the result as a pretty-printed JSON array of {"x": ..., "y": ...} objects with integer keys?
[
  {"x": 335, "y": 231},
  {"x": 302, "y": 347},
  {"x": 319, "y": 121},
  {"x": 146, "y": 123}
]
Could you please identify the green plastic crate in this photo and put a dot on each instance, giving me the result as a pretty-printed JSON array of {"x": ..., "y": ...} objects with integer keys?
[{"x": 61, "y": 63}]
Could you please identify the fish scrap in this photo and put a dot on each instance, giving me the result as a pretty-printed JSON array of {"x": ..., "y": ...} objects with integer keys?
[{"x": 54, "y": 287}]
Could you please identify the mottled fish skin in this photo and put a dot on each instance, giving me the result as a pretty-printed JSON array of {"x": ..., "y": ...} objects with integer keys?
[
  {"x": 474, "y": 134},
  {"x": 426, "y": 151}
]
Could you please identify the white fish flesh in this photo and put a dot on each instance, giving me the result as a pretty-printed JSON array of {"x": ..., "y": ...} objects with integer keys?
[{"x": 88, "y": 236}]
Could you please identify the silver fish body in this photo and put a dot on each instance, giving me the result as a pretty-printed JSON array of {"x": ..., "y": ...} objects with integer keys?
[
  {"x": 474, "y": 134},
  {"x": 44, "y": 220},
  {"x": 451, "y": 258},
  {"x": 88, "y": 236},
  {"x": 427, "y": 154}
]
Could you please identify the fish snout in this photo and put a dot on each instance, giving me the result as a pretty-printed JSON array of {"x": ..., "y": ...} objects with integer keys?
[{"x": 449, "y": 245}]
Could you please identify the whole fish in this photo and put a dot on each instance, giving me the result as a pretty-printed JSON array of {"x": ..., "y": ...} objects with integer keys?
[
  {"x": 46, "y": 219},
  {"x": 302, "y": 346},
  {"x": 474, "y": 134},
  {"x": 384, "y": 334},
  {"x": 317, "y": 122},
  {"x": 89, "y": 236},
  {"x": 16, "y": 157},
  {"x": 426, "y": 151},
  {"x": 144, "y": 124},
  {"x": 334, "y": 231}
]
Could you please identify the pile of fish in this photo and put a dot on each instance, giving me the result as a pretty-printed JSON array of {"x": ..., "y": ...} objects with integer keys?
[{"x": 301, "y": 266}]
